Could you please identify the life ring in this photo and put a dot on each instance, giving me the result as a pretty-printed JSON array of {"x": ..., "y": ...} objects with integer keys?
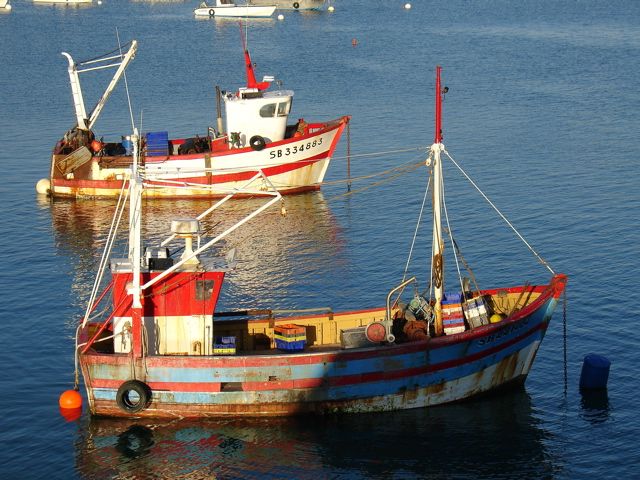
[
  {"x": 296, "y": 5},
  {"x": 212, "y": 12},
  {"x": 257, "y": 142},
  {"x": 133, "y": 396}
]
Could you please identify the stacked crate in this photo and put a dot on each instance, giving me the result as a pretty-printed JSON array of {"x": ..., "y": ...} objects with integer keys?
[
  {"x": 224, "y": 346},
  {"x": 157, "y": 144},
  {"x": 290, "y": 337},
  {"x": 475, "y": 311},
  {"x": 452, "y": 316}
]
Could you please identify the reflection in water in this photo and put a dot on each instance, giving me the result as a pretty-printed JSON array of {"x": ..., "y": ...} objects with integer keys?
[
  {"x": 278, "y": 256},
  {"x": 490, "y": 438},
  {"x": 595, "y": 405}
]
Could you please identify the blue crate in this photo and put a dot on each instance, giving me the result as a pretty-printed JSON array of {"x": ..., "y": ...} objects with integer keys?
[
  {"x": 221, "y": 340},
  {"x": 452, "y": 298},
  {"x": 157, "y": 144},
  {"x": 295, "y": 346}
]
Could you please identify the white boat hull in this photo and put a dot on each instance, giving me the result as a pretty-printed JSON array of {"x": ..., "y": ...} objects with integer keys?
[
  {"x": 235, "y": 11},
  {"x": 291, "y": 4},
  {"x": 293, "y": 165}
]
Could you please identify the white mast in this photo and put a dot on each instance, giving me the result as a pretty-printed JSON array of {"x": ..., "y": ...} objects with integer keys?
[
  {"x": 437, "y": 261},
  {"x": 135, "y": 214}
]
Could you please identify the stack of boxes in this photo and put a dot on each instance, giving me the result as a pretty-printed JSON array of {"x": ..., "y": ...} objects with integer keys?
[
  {"x": 475, "y": 312},
  {"x": 224, "y": 346},
  {"x": 157, "y": 144},
  {"x": 452, "y": 316},
  {"x": 290, "y": 337}
]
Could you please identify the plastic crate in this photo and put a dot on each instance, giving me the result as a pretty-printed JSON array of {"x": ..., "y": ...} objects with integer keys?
[
  {"x": 290, "y": 337},
  {"x": 452, "y": 316},
  {"x": 475, "y": 311},
  {"x": 157, "y": 144},
  {"x": 224, "y": 346}
]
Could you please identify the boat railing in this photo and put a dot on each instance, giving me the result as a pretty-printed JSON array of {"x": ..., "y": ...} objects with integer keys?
[{"x": 388, "y": 322}]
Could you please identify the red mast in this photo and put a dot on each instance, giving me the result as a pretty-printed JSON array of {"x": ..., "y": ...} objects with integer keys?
[
  {"x": 251, "y": 76},
  {"x": 438, "y": 136}
]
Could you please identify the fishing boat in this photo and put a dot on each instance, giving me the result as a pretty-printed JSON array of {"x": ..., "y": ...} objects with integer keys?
[
  {"x": 291, "y": 4},
  {"x": 161, "y": 349},
  {"x": 256, "y": 135},
  {"x": 226, "y": 8}
]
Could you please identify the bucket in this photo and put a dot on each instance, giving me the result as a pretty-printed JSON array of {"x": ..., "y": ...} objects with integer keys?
[
  {"x": 595, "y": 372},
  {"x": 127, "y": 144}
]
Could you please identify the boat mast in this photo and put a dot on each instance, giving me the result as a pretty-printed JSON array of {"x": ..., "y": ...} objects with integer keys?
[
  {"x": 251, "y": 75},
  {"x": 437, "y": 261},
  {"x": 135, "y": 216}
]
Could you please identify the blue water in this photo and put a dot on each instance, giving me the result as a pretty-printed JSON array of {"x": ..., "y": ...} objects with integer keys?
[{"x": 542, "y": 112}]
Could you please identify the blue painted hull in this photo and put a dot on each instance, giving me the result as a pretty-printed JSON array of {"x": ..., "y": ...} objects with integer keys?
[{"x": 387, "y": 377}]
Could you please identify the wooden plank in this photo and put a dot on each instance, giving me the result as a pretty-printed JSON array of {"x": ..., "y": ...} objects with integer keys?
[{"x": 75, "y": 159}]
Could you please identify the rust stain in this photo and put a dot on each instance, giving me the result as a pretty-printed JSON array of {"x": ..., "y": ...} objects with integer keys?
[{"x": 505, "y": 370}]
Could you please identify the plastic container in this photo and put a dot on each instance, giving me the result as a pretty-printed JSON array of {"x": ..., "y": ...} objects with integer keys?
[
  {"x": 452, "y": 316},
  {"x": 290, "y": 337},
  {"x": 224, "y": 346},
  {"x": 595, "y": 372},
  {"x": 128, "y": 145},
  {"x": 157, "y": 144}
]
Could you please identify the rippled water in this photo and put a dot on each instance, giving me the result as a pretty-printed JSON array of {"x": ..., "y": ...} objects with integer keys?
[{"x": 542, "y": 112}]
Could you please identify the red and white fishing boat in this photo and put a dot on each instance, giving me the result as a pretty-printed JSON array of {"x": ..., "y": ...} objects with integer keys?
[
  {"x": 162, "y": 350},
  {"x": 256, "y": 137}
]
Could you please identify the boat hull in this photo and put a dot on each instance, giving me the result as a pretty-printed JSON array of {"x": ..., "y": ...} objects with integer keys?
[
  {"x": 382, "y": 378},
  {"x": 291, "y": 4},
  {"x": 292, "y": 165},
  {"x": 235, "y": 11}
]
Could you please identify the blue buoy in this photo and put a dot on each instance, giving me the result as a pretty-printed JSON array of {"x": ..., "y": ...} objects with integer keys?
[{"x": 595, "y": 372}]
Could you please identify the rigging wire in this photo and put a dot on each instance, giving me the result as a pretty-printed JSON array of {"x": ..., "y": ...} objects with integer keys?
[
  {"x": 115, "y": 222},
  {"x": 531, "y": 249}
]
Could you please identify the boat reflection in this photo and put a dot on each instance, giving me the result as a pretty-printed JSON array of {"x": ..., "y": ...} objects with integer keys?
[
  {"x": 274, "y": 251},
  {"x": 494, "y": 437}
]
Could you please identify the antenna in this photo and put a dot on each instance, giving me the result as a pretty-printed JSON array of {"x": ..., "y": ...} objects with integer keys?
[{"x": 126, "y": 85}]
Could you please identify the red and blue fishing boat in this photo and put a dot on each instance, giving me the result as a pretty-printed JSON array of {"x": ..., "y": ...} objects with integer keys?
[
  {"x": 254, "y": 134},
  {"x": 162, "y": 350}
]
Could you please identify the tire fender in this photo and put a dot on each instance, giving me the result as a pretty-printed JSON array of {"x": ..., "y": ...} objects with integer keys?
[
  {"x": 133, "y": 396},
  {"x": 257, "y": 142},
  {"x": 212, "y": 12}
]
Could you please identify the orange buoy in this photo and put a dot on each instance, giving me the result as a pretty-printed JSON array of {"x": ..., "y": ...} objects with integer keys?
[
  {"x": 70, "y": 399},
  {"x": 96, "y": 146},
  {"x": 354, "y": 42}
]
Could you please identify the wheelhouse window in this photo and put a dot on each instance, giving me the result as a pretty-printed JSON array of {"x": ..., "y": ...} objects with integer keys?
[
  {"x": 268, "y": 111},
  {"x": 283, "y": 109}
]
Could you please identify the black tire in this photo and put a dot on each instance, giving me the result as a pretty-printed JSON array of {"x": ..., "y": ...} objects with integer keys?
[
  {"x": 212, "y": 12},
  {"x": 133, "y": 396},
  {"x": 296, "y": 5},
  {"x": 257, "y": 142}
]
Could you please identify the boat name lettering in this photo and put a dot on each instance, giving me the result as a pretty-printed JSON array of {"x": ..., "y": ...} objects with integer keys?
[
  {"x": 504, "y": 332},
  {"x": 283, "y": 152}
]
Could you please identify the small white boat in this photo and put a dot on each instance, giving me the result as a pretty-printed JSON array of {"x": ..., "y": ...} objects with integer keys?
[
  {"x": 5, "y": 5},
  {"x": 226, "y": 8},
  {"x": 291, "y": 4},
  {"x": 68, "y": 2}
]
